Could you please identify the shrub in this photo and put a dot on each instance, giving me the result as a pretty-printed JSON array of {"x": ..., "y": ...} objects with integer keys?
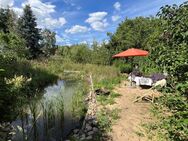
[{"x": 125, "y": 68}]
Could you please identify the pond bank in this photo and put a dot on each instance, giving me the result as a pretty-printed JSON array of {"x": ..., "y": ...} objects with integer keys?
[{"x": 89, "y": 126}]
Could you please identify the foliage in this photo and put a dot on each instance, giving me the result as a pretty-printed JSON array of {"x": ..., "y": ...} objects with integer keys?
[
  {"x": 176, "y": 123},
  {"x": 131, "y": 33},
  {"x": 48, "y": 42},
  {"x": 19, "y": 81},
  {"x": 7, "y": 20},
  {"x": 12, "y": 45},
  {"x": 109, "y": 83},
  {"x": 106, "y": 118},
  {"x": 78, "y": 106},
  {"x": 28, "y": 30},
  {"x": 173, "y": 50},
  {"x": 100, "y": 54},
  {"x": 109, "y": 99},
  {"x": 123, "y": 65},
  {"x": 83, "y": 53}
]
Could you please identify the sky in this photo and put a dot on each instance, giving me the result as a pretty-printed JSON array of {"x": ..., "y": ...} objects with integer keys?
[{"x": 82, "y": 21}]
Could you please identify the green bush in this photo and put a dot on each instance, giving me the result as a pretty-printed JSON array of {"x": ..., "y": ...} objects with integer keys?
[
  {"x": 176, "y": 124},
  {"x": 123, "y": 65},
  {"x": 125, "y": 68}
]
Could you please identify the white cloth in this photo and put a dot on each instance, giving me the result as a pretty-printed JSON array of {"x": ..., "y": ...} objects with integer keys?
[
  {"x": 141, "y": 80},
  {"x": 146, "y": 81}
]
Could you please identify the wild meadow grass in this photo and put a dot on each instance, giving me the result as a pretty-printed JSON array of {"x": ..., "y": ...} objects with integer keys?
[{"x": 56, "y": 65}]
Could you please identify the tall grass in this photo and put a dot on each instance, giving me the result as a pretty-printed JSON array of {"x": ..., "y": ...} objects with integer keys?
[{"x": 57, "y": 65}]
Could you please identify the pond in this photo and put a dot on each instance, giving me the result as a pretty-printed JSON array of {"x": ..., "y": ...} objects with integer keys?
[{"x": 50, "y": 117}]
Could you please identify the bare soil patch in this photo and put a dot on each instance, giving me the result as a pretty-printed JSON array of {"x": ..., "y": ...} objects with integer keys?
[{"x": 133, "y": 115}]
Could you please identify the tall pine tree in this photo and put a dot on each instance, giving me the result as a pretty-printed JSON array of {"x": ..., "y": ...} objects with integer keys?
[{"x": 28, "y": 30}]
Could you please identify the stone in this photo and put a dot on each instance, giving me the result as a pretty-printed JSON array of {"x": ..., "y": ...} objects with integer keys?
[
  {"x": 88, "y": 127},
  {"x": 90, "y": 133},
  {"x": 94, "y": 123},
  {"x": 83, "y": 137},
  {"x": 95, "y": 129},
  {"x": 76, "y": 135},
  {"x": 89, "y": 137},
  {"x": 12, "y": 133},
  {"x": 75, "y": 131}
]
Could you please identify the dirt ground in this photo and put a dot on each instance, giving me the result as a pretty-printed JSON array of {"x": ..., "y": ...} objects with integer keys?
[{"x": 132, "y": 116}]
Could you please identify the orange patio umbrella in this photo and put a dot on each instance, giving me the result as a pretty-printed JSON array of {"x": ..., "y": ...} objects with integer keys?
[{"x": 131, "y": 52}]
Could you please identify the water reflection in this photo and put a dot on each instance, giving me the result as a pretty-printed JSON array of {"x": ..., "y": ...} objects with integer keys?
[{"x": 48, "y": 118}]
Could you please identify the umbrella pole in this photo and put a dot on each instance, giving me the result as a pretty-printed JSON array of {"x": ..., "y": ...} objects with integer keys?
[{"x": 132, "y": 70}]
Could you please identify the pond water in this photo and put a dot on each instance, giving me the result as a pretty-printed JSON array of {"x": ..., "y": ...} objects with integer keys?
[{"x": 48, "y": 118}]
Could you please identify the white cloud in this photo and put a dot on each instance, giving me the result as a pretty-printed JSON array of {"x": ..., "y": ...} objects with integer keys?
[
  {"x": 77, "y": 29},
  {"x": 6, "y": 3},
  {"x": 52, "y": 23},
  {"x": 97, "y": 16},
  {"x": 97, "y": 20},
  {"x": 115, "y": 18},
  {"x": 83, "y": 42},
  {"x": 40, "y": 8},
  {"x": 18, "y": 11},
  {"x": 43, "y": 12},
  {"x": 117, "y": 6}
]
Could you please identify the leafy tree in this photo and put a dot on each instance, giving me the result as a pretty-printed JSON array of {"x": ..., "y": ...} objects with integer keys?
[
  {"x": 173, "y": 52},
  {"x": 48, "y": 42},
  {"x": 131, "y": 33},
  {"x": 7, "y": 20},
  {"x": 80, "y": 53},
  {"x": 3, "y": 20},
  {"x": 12, "y": 45},
  {"x": 100, "y": 54},
  {"x": 11, "y": 21},
  {"x": 29, "y": 31}
]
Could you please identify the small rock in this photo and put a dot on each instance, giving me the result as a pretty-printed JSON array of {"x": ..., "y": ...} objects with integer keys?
[
  {"x": 88, "y": 127},
  {"x": 12, "y": 133},
  {"x": 76, "y": 135},
  {"x": 90, "y": 133},
  {"x": 75, "y": 131},
  {"x": 89, "y": 138},
  {"x": 83, "y": 137},
  {"x": 95, "y": 129},
  {"x": 94, "y": 122}
]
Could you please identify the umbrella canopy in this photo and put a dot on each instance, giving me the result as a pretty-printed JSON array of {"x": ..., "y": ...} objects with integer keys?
[{"x": 131, "y": 52}]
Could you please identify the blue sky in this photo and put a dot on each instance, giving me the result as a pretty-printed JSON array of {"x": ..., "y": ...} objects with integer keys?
[{"x": 82, "y": 21}]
